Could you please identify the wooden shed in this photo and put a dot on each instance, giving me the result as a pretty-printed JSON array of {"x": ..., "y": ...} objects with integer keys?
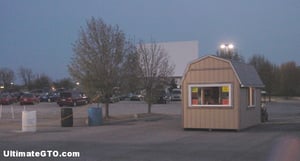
[{"x": 220, "y": 94}]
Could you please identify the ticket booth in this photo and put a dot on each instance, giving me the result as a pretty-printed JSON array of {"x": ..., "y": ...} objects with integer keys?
[{"x": 220, "y": 94}]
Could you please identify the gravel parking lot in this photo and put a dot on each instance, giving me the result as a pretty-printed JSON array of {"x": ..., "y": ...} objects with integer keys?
[
  {"x": 158, "y": 138},
  {"x": 49, "y": 114}
]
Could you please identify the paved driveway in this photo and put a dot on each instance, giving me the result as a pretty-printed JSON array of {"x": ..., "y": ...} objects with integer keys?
[{"x": 164, "y": 139}]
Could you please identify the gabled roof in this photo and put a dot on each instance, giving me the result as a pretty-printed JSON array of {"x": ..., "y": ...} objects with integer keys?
[{"x": 245, "y": 73}]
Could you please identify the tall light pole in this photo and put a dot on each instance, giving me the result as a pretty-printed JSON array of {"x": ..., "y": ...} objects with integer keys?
[
  {"x": 227, "y": 50},
  {"x": 12, "y": 86}
]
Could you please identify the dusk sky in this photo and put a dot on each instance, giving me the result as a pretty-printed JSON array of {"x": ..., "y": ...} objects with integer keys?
[{"x": 38, "y": 34}]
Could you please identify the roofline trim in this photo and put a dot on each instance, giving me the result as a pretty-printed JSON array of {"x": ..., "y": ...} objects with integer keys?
[{"x": 221, "y": 59}]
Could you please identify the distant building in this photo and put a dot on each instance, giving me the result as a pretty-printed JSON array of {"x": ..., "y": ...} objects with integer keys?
[{"x": 181, "y": 53}]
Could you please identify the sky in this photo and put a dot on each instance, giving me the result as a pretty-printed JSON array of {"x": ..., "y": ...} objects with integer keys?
[{"x": 39, "y": 34}]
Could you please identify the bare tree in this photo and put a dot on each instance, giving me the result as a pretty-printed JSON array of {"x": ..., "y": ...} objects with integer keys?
[
  {"x": 131, "y": 73},
  {"x": 27, "y": 76},
  {"x": 289, "y": 79},
  {"x": 64, "y": 83},
  {"x": 266, "y": 71},
  {"x": 229, "y": 53},
  {"x": 42, "y": 81},
  {"x": 155, "y": 69},
  {"x": 7, "y": 76},
  {"x": 99, "y": 56}
]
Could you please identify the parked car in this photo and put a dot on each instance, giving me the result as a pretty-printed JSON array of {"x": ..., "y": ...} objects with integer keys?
[
  {"x": 49, "y": 97},
  {"x": 72, "y": 98},
  {"x": 162, "y": 98},
  {"x": 7, "y": 99},
  {"x": 37, "y": 92},
  {"x": 114, "y": 99},
  {"x": 136, "y": 97},
  {"x": 176, "y": 94},
  {"x": 44, "y": 97},
  {"x": 54, "y": 96},
  {"x": 28, "y": 98}
]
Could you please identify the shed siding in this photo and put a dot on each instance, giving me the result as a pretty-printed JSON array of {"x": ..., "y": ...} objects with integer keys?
[
  {"x": 208, "y": 118},
  {"x": 250, "y": 115},
  {"x": 210, "y": 70}
]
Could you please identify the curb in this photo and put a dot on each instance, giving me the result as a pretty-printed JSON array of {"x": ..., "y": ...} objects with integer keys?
[{"x": 135, "y": 117}]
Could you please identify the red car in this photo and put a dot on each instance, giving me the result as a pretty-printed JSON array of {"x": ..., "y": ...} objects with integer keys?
[
  {"x": 72, "y": 98},
  {"x": 6, "y": 99},
  {"x": 29, "y": 98}
]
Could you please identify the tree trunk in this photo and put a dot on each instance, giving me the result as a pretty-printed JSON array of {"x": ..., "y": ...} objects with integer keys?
[
  {"x": 149, "y": 108},
  {"x": 106, "y": 111}
]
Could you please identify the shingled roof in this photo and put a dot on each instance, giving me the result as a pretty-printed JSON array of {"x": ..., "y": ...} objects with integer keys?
[{"x": 246, "y": 74}]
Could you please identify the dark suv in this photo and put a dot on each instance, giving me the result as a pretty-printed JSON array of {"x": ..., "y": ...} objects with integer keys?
[{"x": 72, "y": 99}]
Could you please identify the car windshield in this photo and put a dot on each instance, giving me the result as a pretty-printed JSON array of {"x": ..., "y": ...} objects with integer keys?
[
  {"x": 3, "y": 96},
  {"x": 65, "y": 95},
  {"x": 176, "y": 92},
  {"x": 28, "y": 95}
]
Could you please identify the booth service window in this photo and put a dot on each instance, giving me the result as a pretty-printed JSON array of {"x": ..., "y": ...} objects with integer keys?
[{"x": 205, "y": 95}]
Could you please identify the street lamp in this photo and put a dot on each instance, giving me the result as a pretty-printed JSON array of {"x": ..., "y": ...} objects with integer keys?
[
  {"x": 226, "y": 46},
  {"x": 226, "y": 50},
  {"x": 223, "y": 46}
]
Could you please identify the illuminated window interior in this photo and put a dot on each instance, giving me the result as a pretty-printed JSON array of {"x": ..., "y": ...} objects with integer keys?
[{"x": 210, "y": 95}]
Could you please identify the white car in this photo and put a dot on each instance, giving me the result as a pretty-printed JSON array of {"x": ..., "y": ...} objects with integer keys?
[{"x": 176, "y": 95}]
